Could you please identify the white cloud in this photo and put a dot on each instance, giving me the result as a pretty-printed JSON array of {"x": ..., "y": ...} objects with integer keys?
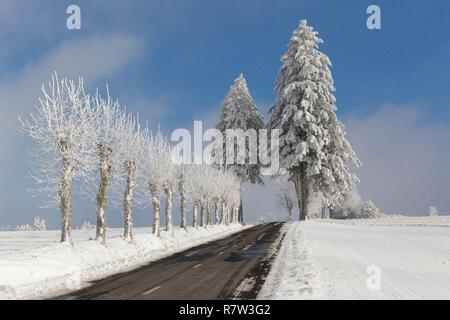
[
  {"x": 93, "y": 58},
  {"x": 405, "y": 159}
]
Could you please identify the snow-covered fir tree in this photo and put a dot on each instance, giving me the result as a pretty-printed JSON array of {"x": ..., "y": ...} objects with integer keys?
[
  {"x": 240, "y": 112},
  {"x": 313, "y": 147}
]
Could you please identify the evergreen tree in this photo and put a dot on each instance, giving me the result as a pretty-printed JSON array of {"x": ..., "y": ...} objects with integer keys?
[
  {"x": 313, "y": 147},
  {"x": 240, "y": 112}
]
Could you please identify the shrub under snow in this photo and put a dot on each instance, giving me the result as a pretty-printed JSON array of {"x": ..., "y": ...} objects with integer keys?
[
  {"x": 354, "y": 208},
  {"x": 87, "y": 226},
  {"x": 39, "y": 224},
  {"x": 433, "y": 211},
  {"x": 369, "y": 210},
  {"x": 24, "y": 227}
]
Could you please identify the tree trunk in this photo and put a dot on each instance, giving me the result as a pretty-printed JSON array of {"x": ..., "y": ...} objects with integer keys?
[
  {"x": 169, "y": 212},
  {"x": 66, "y": 201},
  {"x": 301, "y": 189},
  {"x": 183, "y": 208},
  {"x": 224, "y": 213},
  {"x": 195, "y": 215},
  {"x": 130, "y": 168},
  {"x": 298, "y": 192},
  {"x": 290, "y": 214},
  {"x": 227, "y": 216},
  {"x": 241, "y": 205},
  {"x": 241, "y": 212},
  {"x": 210, "y": 214},
  {"x": 235, "y": 216},
  {"x": 305, "y": 192},
  {"x": 156, "y": 209},
  {"x": 102, "y": 195},
  {"x": 216, "y": 212},
  {"x": 203, "y": 215}
]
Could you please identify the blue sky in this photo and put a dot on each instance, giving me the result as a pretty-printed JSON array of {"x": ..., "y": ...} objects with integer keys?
[{"x": 173, "y": 62}]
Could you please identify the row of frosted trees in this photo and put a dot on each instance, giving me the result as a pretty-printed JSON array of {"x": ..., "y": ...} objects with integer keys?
[{"x": 91, "y": 144}]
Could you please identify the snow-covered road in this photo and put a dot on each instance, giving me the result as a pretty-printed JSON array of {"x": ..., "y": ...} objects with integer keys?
[{"x": 334, "y": 260}]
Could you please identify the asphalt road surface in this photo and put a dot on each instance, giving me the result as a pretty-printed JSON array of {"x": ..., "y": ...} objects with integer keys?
[{"x": 233, "y": 267}]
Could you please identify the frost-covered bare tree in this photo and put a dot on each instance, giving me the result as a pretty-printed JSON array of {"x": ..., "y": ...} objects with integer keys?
[
  {"x": 193, "y": 189},
  {"x": 183, "y": 174},
  {"x": 60, "y": 127},
  {"x": 107, "y": 123},
  {"x": 228, "y": 184},
  {"x": 313, "y": 146},
  {"x": 235, "y": 202},
  {"x": 285, "y": 194},
  {"x": 129, "y": 149},
  {"x": 201, "y": 184},
  {"x": 433, "y": 211},
  {"x": 158, "y": 174}
]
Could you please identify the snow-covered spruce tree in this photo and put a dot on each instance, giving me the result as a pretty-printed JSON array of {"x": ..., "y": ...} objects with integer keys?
[
  {"x": 240, "y": 112},
  {"x": 59, "y": 126},
  {"x": 285, "y": 194},
  {"x": 108, "y": 119},
  {"x": 313, "y": 147}
]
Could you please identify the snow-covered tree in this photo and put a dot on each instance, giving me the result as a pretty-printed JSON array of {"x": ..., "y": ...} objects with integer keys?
[
  {"x": 129, "y": 150},
  {"x": 107, "y": 121},
  {"x": 433, "y": 211},
  {"x": 25, "y": 227},
  {"x": 200, "y": 183},
  {"x": 235, "y": 202},
  {"x": 239, "y": 112},
  {"x": 39, "y": 224},
  {"x": 313, "y": 147},
  {"x": 369, "y": 210},
  {"x": 229, "y": 184},
  {"x": 192, "y": 191},
  {"x": 285, "y": 194},
  {"x": 59, "y": 126},
  {"x": 158, "y": 175},
  {"x": 352, "y": 207},
  {"x": 349, "y": 207},
  {"x": 86, "y": 226},
  {"x": 182, "y": 174}
]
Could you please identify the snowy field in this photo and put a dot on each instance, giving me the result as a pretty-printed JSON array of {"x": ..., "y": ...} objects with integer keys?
[
  {"x": 35, "y": 265},
  {"x": 387, "y": 258}
]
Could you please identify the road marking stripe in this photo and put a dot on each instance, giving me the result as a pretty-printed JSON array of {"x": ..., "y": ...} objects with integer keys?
[
  {"x": 261, "y": 236},
  {"x": 197, "y": 265},
  {"x": 152, "y": 290},
  {"x": 246, "y": 247}
]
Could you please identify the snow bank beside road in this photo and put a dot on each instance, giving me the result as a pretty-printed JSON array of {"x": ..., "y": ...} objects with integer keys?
[
  {"x": 337, "y": 259},
  {"x": 59, "y": 268},
  {"x": 293, "y": 275}
]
